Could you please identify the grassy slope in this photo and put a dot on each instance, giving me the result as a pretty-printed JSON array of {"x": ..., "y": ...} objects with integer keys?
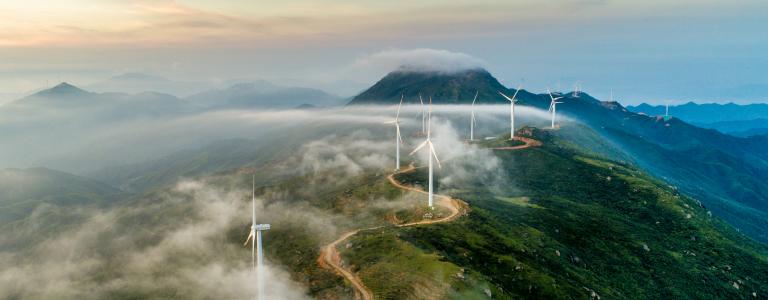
[
  {"x": 629, "y": 236},
  {"x": 23, "y": 190}
]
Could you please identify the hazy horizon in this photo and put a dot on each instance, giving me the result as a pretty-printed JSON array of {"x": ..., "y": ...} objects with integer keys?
[{"x": 703, "y": 51}]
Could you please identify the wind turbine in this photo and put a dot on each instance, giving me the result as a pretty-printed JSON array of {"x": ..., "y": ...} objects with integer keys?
[
  {"x": 666, "y": 111},
  {"x": 512, "y": 112},
  {"x": 472, "y": 120},
  {"x": 256, "y": 252},
  {"x": 398, "y": 139},
  {"x": 576, "y": 90},
  {"x": 553, "y": 106},
  {"x": 431, "y": 149}
]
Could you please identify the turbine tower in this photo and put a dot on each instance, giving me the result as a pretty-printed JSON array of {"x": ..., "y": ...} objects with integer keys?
[
  {"x": 256, "y": 252},
  {"x": 666, "y": 111},
  {"x": 472, "y": 120},
  {"x": 512, "y": 112},
  {"x": 398, "y": 139},
  {"x": 553, "y": 106},
  {"x": 431, "y": 153}
]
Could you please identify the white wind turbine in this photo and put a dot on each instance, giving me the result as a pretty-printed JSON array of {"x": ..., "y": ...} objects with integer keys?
[
  {"x": 398, "y": 139},
  {"x": 256, "y": 252},
  {"x": 512, "y": 112},
  {"x": 431, "y": 149},
  {"x": 576, "y": 90},
  {"x": 666, "y": 110},
  {"x": 553, "y": 106},
  {"x": 472, "y": 120}
]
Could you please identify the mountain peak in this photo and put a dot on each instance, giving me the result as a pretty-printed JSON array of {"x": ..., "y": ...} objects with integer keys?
[
  {"x": 61, "y": 90},
  {"x": 64, "y": 86},
  {"x": 454, "y": 87}
]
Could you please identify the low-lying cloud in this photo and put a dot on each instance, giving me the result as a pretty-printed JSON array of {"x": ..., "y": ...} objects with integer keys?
[{"x": 174, "y": 245}]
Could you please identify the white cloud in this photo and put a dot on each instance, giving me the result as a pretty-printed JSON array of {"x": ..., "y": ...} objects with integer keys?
[{"x": 421, "y": 59}]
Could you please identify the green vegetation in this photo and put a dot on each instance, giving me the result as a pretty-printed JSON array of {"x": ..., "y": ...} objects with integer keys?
[
  {"x": 395, "y": 269},
  {"x": 565, "y": 223},
  {"x": 570, "y": 225}
]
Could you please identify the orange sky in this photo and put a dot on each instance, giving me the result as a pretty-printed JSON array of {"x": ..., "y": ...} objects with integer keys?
[{"x": 602, "y": 43}]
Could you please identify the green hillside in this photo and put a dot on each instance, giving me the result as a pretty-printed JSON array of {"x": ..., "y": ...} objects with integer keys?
[
  {"x": 566, "y": 225},
  {"x": 22, "y": 190},
  {"x": 559, "y": 221},
  {"x": 722, "y": 171}
]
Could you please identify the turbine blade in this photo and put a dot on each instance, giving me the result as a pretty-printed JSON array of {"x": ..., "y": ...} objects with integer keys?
[
  {"x": 473, "y": 100},
  {"x": 398, "y": 107},
  {"x": 433, "y": 153},
  {"x": 419, "y": 147},
  {"x": 398, "y": 134},
  {"x": 520, "y": 86},
  {"x": 429, "y": 117},
  {"x": 505, "y": 96},
  {"x": 250, "y": 236}
]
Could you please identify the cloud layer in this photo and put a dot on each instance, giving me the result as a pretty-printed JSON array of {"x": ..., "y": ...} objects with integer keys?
[
  {"x": 421, "y": 59},
  {"x": 114, "y": 254}
]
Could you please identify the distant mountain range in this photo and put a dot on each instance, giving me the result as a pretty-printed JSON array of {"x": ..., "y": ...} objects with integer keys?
[
  {"x": 735, "y": 119},
  {"x": 257, "y": 94},
  {"x": 725, "y": 172},
  {"x": 263, "y": 94},
  {"x": 69, "y": 97}
]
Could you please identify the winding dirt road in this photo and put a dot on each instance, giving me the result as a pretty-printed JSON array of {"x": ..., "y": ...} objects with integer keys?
[
  {"x": 529, "y": 142},
  {"x": 331, "y": 258}
]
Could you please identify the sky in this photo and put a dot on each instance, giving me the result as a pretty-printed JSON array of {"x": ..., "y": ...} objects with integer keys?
[{"x": 645, "y": 51}]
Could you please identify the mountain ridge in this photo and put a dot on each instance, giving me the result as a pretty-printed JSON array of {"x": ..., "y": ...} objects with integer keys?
[{"x": 741, "y": 204}]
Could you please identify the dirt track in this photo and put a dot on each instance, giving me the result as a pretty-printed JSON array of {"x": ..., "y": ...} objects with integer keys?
[
  {"x": 529, "y": 142},
  {"x": 330, "y": 256}
]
